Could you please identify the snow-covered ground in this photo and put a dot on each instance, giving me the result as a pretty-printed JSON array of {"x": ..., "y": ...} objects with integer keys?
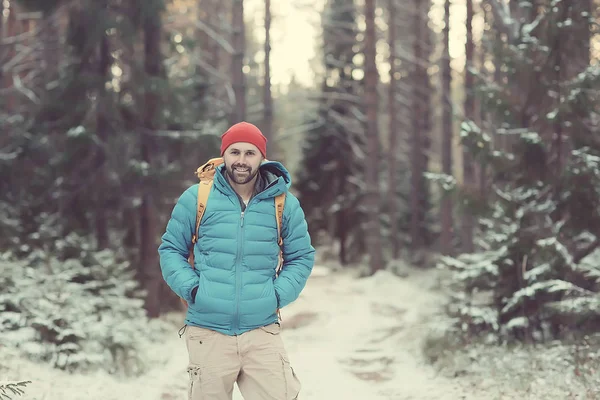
[{"x": 348, "y": 338}]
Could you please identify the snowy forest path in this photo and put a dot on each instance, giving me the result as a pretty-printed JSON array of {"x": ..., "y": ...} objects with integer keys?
[{"x": 351, "y": 338}]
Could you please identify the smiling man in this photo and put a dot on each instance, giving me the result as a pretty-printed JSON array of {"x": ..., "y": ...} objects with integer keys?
[{"x": 233, "y": 293}]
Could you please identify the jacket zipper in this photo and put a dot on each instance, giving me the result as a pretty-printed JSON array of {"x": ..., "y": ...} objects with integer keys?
[
  {"x": 238, "y": 270},
  {"x": 238, "y": 273}
]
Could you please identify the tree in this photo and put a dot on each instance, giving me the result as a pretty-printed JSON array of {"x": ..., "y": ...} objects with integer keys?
[
  {"x": 1, "y": 39},
  {"x": 332, "y": 174},
  {"x": 541, "y": 232},
  {"x": 267, "y": 127},
  {"x": 102, "y": 132},
  {"x": 468, "y": 164},
  {"x": 393, "y": 132},
  {"x": 447, "y": 133},
  {"x": 94, "y": 130},
  {"x": 421, "y": 125},
  {"x": 151, "y": 113},
  {"x": 237, "y": 66},
  {"x": 372, "y": 168}
]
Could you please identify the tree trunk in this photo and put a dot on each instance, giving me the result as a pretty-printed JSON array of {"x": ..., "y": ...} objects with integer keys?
[
  {"x": 558, "y": 132},
  {"x": 237, "y": 73},
  {"x": 2, "y": 59},
  {"x": 102, "y": 126},
  {"x": 342, "y": 234},
  {"x": 373, "y": 151},
  {"x": 468, "y": 165},
  {"x": 500, "y": 141},
  {"x": 267, "y": 128},
  {"x": 447, "y": 129},
  {"x": 417, "y": 195},
  {"x": 9, "y": 100},
  {"x": 483, "y": 166},
  {"x": 151, "y": 113},
  {"x": 393, "y": 132},
  {"x": 50, "y": 37},
  {"x": 216, "y": 47}
]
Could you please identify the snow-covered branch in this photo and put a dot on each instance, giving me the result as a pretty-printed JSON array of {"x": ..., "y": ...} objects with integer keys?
[{"x": 8, "y": 389}]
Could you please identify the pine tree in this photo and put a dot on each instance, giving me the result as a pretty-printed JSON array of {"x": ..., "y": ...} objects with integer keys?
[
  {"x": 539, "y": 269},
  {"x": 331, "y": 177},
  {"x": 87, "y": 315}
]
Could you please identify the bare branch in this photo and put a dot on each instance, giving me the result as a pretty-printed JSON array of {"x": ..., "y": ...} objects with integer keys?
[
  {"x": 348, "y": 123},
  {"x": 19, "y": 38},
  {"x": 173, "y": 134},
  {"x": 41, "y": 24},
  {"x": 337, "y": 96},
  {"x": 22, "y": 54},
  {"x": 215, "y": 36},
  {"x": 358, "y": 114},
  {"x": 504, "y": 20},
  {"x": 25, "y": 91},
  {"x": 230, "y": 93},
  {"x": 286, "y": 133},
  {"x": 210, "y": 69}
]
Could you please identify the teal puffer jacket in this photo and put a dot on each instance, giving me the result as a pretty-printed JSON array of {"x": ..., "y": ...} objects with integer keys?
[{"x": 236, "y": 254}]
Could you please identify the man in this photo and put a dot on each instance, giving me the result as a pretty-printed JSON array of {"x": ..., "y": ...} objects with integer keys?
[{"x": 233, "y": 295}]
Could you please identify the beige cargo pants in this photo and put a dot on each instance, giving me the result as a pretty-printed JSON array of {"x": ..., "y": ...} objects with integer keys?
[{"x": 256, "y": 360}]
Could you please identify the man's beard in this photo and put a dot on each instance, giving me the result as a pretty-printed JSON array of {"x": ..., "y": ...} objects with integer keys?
[{"x": 241, "y": 177}]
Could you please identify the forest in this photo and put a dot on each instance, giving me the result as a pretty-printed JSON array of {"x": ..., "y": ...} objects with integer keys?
[{"x": 459, "y": 139}]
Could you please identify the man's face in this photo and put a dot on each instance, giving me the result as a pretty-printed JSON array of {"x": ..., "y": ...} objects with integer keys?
[{"x": 242, "y": 161}]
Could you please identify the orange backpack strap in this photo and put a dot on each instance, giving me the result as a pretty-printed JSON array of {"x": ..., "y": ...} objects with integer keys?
[
  {"x": 203, "y": 192},
  {"x": 279, "y": 204},
  {"x": 205, "y": 173}
]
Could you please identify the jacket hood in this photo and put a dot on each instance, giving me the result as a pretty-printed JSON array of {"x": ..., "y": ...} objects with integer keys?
[
  {"x": 277, "y": 178},
  {"x": 273, "y": 170}
]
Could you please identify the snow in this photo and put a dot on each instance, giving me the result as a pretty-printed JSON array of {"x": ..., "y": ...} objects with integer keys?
[{"x": 347, "y": 337}]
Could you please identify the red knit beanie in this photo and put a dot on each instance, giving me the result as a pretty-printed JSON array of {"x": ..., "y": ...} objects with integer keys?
[{"x": 244, "y": 132}]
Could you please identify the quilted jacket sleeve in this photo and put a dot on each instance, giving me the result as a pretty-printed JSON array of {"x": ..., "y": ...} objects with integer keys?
[
  {"x": 174, "y": 248},
  {"x": 298, "y": 253}
]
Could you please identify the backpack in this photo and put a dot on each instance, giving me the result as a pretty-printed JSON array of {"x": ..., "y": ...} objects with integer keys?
[{"x": 205, "y": 174}]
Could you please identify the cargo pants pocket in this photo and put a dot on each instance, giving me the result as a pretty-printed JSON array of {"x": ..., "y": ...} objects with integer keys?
[
  {"x": 194, "y": 389},
  {"x": 292, "y": 383}
]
